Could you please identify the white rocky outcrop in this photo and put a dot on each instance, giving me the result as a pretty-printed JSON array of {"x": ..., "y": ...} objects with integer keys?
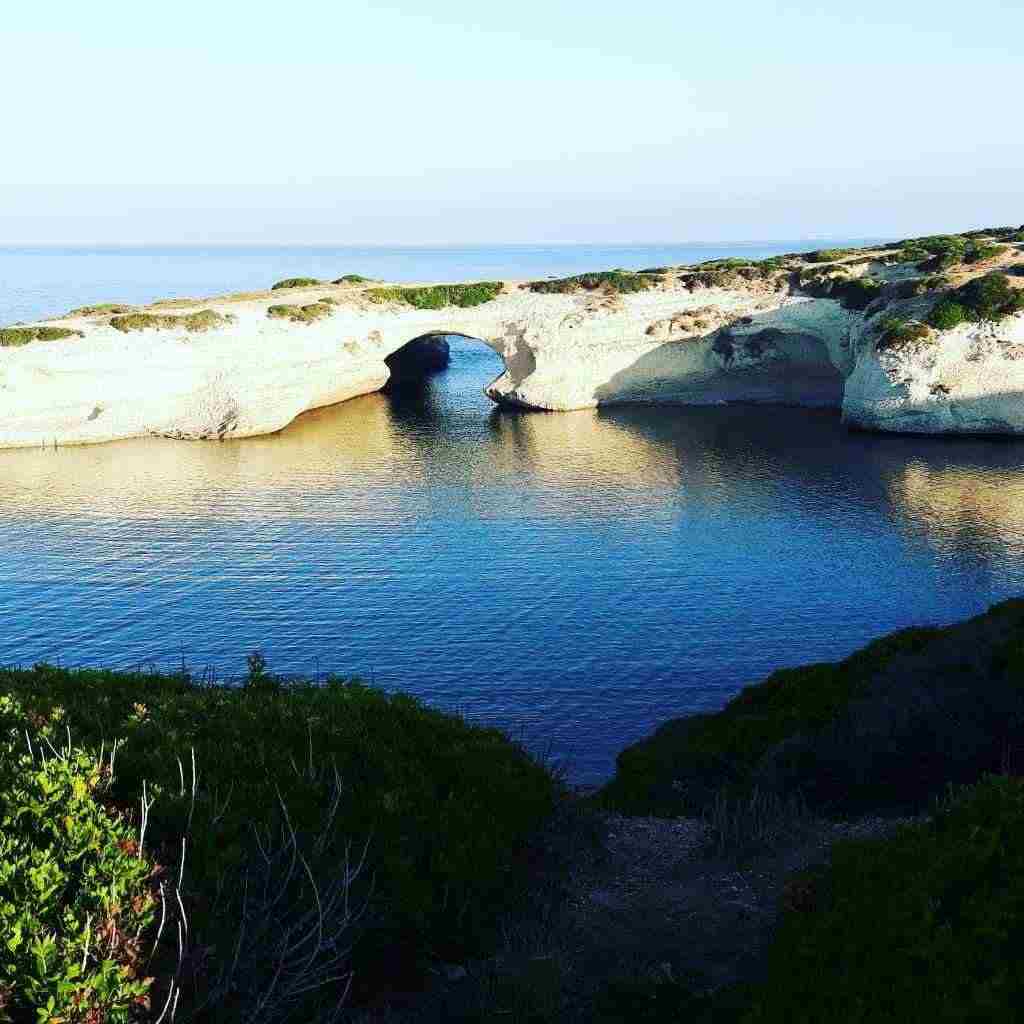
[{"x": 692, "y": 338}]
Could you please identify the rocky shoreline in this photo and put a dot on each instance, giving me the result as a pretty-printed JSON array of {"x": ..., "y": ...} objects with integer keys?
[{"x": 924, "y": 336}]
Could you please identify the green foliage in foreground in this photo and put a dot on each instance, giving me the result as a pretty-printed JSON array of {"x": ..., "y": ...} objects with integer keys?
[
  {"x": 927, "y": 925},
  {"x": 12, "y": 337},
  {"x": 686, "y": 762},
  {"x": 619, "y": 282},
  {"x": 202, "y": 320},
  {"x": 301, "y": 314},
  {"x": 296, "y": 282},
  {"x": 75, "y": 890},
  {"x": 439, "y": 296},
  {"x": 923, "y": 926},
  {"x": 444, "y": 806},
  {"x": 987, "y": 298}
]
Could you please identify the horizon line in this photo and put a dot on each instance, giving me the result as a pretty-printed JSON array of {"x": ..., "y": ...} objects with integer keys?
[{"x": 436, "y": 245}]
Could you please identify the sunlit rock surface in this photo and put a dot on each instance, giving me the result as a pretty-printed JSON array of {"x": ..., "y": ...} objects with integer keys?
[{"x": 783, "y": 333}]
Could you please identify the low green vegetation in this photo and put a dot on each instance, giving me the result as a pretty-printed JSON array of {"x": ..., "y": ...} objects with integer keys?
[
  {"x": 827, "y": 255},
  {"x": 330, "y": 828},
  {"x": 307, "y": 314},
  {"x": 922, "y": 926},
  {"x": 983, "y": 252},
  {"x": 202, "y": 320},
  {"x": 617, "y": 282},
  {"x": 77, "y": 898},
  {"x": 439, "y": 296},
  {"x": 895, "y": 333},
  {"x": 352, "y": 279},
  {"x": 103, "y": 309},
  {"x": 683, "y": 766},
  {"x": 988, "y": 298},
  {"x": 853, "y": 292},
  {"x": 296, "y": 282},
  {"x": 12, "y": 337}
]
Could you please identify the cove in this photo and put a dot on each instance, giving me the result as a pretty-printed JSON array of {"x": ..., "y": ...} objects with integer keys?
[{"x": 574, "y": 577}]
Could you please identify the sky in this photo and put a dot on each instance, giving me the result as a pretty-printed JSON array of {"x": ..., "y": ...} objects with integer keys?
[{"x": 536, "y": 121}]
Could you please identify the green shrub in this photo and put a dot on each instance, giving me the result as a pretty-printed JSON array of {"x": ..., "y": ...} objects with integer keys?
[
  {"x": 987, "y": 298},
  {"x": 301, "y": 314},
  {"x": 202, "y": 320},
  {"x": 947, "y": 315},
  {"x": 991, "y": 297},
  {"x": 827, "y": 255},
  {"x": 12, "y": 337},
  {"x": 445, "y": 806},
  {"x": 981, "y": 252},
  {"x": 439, "y": 296},
  {"x": 76, "y": 896},
  {"x": 683, "y": 766},
  {"x": 920, "y": 927},
  {"x": 103, "y": 309},
  {"x": 352, "y": 279},
  {"x": 619, "y": 282},
  {"x": 296, "y": 282},
  {"x": 897, "y": 332}
]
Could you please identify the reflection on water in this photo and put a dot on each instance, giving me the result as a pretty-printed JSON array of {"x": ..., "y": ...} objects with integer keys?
[{"x": 574, "y": 577}]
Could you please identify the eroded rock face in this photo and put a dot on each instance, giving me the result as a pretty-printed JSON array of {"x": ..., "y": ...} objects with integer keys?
[
  {"x": 969, "y": 380},
  {"x": 788, "y": 332}
]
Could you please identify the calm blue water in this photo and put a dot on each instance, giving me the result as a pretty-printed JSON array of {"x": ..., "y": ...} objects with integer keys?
[{"x": 576, "y": 578}]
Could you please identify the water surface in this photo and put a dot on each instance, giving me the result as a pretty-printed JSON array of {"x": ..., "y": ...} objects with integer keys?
[{"x": 575, "y": 578}]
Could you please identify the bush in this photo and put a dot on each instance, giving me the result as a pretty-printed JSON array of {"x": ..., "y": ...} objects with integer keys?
[
  {"x": 444, "y": 806},
  {"x": 947, "y": 315},
  {"x": 296, "y": 282},
  {"x": 203, "y": 320},
  {"x": 103, "y": 309},
  {"x": 618, "y": 282},
  {"x": 683, "y": 766},
  {"x": 991, "y": 297},
  {"x": 301, "y": 314},
  {"x": 979, "y": 252},
  {"x": 923, "y": 926},
  {"x": 352, "y": 279},
  {"x": 75, "y": 888},
  {"x": 897, "y": 332},
  {"x": 827, "y": 255},
  {"x": 439, "y": 296},
  {"x": 12, "y": 337}
]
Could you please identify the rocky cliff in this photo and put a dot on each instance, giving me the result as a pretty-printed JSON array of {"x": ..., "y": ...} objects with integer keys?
[{"x": 925, "y": 335}]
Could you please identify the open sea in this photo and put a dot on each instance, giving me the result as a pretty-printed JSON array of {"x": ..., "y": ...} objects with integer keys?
[{"x": 575, "y": 578}]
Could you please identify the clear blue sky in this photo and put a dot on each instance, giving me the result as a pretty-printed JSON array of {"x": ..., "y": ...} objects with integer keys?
[{"x": 528, "y": 121}]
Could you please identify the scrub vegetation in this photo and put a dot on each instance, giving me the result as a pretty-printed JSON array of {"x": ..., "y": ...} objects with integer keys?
[
  {"x": 988, "y": 298},
  {"x": 352, "y": 279},
  {"x": 103, "y": 309},
  {"x": 296, "y": 282},
  {"x": 338, "y": 840},
  {"x": 897, "y": 333},
  {"x": 12, "y": 337},
  {"x": 307, "y": 314},
  {"x": 616, "y": 282},
  {"x": 439, "y": 296},
  {"x": 203, "y": 320},
  {"x": 341, "y": 841}
]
